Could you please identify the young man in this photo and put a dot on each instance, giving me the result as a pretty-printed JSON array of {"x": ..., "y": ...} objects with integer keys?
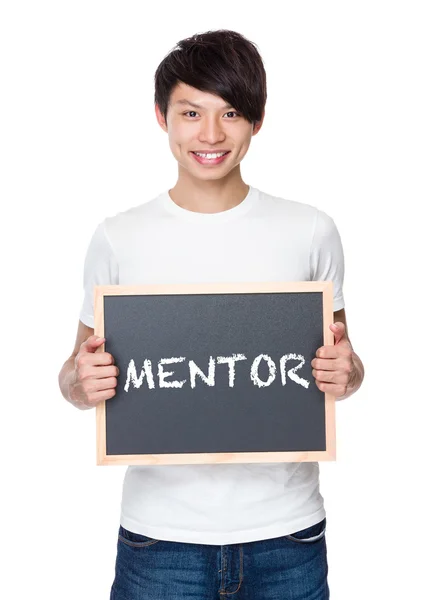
[{"x": 249, "y": 531}]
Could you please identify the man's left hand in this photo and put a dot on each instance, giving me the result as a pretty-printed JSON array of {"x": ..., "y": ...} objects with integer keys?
[{"x": 333, "y": 367}]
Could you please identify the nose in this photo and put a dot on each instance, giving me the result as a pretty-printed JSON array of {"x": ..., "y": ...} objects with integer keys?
[{"x": 211, "y": 130}]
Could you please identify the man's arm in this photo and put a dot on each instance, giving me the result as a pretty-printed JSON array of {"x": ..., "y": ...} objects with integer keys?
[{"x": 358, "y": 372}]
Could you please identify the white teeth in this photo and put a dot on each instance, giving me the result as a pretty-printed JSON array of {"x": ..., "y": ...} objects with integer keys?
[{"x": 210, "y": 155}]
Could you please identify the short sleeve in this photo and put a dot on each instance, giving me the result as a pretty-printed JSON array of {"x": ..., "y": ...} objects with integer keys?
[
  {"x": 327, "y": 257},
  {"x": 100, "y": 268}
]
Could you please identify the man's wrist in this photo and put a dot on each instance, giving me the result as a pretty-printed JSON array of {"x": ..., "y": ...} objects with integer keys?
[{"x": 356, "y": 377}]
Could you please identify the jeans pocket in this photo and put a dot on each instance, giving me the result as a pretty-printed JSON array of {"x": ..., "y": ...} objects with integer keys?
[
  {"x": 309, "y": 535},
  {"x": 136, "y": 540}
]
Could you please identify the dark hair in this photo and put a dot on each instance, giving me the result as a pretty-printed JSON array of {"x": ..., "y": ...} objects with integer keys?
[{"x": 221, "y": 62}]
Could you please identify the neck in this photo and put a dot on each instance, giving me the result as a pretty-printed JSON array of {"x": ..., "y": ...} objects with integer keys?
[{"x": 209, "y": 196}]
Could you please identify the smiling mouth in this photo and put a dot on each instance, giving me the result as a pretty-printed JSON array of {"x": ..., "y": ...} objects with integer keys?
[
  {"x": 210, "y": 158},
  {"x": 212, "y": 154}
]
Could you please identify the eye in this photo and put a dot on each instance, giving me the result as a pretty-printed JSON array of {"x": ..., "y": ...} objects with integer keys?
[{"x": 233, "y": 112}]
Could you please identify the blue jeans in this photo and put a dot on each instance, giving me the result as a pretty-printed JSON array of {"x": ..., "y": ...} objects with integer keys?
[{"x": 290, "y": 567}]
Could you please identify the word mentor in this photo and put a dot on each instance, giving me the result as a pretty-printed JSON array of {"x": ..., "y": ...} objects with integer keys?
[{"x": 209, "y": 379}]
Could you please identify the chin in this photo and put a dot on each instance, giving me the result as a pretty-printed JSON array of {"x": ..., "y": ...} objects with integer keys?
[{"x": 209, "y": 176}]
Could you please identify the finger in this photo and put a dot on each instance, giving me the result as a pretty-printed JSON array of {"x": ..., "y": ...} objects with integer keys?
[
  {"x": 331, "y": 388},
  {"x": 92, "y": 343},
  {"x": 101, "y": 359},
  {"x": 105, "y": 371},
  {"x": 94, "y": 359},
  {"x": 339, "y": 330},
  {"x": 105, "y": 383},
  {"x": 325, "y": 364},
  {"x": 336, "y": 377},
  {"x": 343, "y": 349},
  {"x": 97, "y": 397},
  {"x": 323, "y": 376},
  {"x": 327, "y": 352}
]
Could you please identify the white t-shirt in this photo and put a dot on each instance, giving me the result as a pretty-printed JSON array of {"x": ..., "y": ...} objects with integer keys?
[{"x": 264, "y": 238}]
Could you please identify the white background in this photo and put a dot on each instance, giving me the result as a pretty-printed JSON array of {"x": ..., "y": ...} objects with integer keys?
[{"x": 346, "y": 129}]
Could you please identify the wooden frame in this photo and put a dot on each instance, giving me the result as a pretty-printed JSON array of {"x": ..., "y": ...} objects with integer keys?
[{"x": 326, "y": 287}]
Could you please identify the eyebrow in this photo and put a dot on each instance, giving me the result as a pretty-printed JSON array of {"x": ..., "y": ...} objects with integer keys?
[{"x": 184, "y": 101}]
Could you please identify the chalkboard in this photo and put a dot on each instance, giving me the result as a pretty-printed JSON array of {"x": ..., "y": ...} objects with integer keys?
[{"x": 213, "y": 373}]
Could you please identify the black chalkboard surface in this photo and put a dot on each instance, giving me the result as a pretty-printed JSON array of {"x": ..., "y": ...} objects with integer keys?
[{"x": 215, "y": 373}]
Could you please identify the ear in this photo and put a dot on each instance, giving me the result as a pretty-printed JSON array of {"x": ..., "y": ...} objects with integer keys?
[
  {"x": 162, "y": 122},
  {"x": 258, "y": 124}
]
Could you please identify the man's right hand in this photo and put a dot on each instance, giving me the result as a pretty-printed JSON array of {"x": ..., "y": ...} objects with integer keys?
[{"x": 95, "y": 374}]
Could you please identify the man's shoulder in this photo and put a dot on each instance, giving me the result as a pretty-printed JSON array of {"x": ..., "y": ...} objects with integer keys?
[
  {"x": 136, "y": 214},
  {"x": 296, "y": 211},
  {"x": 281, "y": 206}
]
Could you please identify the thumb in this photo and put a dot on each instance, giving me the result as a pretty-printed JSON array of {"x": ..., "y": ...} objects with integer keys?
[
  {"x": 92, "y": 343},
  {"x": 339, "y": 330}
]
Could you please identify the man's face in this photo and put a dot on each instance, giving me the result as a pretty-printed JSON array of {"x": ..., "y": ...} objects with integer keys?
[{"x": 201, "y": 122}]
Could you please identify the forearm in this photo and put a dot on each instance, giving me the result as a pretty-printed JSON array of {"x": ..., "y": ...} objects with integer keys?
[{"x": 356, "y": 378}]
